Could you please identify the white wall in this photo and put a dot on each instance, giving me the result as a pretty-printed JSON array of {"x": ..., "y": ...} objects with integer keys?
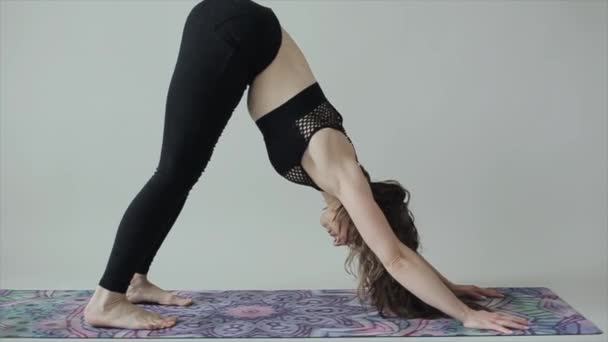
[{"x": 492, "y": 113}]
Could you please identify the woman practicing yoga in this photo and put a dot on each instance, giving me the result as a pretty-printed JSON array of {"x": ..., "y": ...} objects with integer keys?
[{"x": 227, "y": 46}]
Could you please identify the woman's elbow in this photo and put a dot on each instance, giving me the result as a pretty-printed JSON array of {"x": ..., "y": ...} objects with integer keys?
[{"x": 404, "y": 257}]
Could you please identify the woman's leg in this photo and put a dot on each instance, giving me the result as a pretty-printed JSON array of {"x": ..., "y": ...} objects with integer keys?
[
  {"x": 200, "y": 101},
  {"x": 144, "y": 265},
  {"x": 232, "y": 94},
  {"x": 203, "y": 92}
]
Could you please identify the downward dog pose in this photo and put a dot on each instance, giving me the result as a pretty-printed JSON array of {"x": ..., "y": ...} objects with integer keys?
[{"x": 227, "y": 46}]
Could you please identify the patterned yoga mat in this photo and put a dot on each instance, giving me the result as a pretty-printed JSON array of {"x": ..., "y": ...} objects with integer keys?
[{"x": 276, "y": 314}]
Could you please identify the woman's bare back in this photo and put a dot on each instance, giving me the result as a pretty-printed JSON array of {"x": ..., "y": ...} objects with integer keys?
[{"x": 287, "y": 75}]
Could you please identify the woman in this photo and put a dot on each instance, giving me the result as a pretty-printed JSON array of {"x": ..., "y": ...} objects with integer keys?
[{"x": 226, "y": 46}]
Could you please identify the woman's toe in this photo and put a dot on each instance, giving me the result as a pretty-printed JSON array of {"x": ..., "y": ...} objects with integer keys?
[{"x": 177, "y": 300}]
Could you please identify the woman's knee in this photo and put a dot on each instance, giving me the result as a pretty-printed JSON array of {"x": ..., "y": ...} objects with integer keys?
[{"x": 178, "y": 176}]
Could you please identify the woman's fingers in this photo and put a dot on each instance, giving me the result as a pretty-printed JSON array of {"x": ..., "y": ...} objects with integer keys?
[
  {"x": 510, "y": 324},
  {"x": 477, "y": 295},
  {"x": 490, "y": 292},
  {"x": 483, "y": 319},
  {"x": 500, "y": 328},
  {"x": 511, "y": 321},
  {"x": 486, "y": 291},
  {"x": 514, "y": 318},
  {"x": 471, "y": 291}
]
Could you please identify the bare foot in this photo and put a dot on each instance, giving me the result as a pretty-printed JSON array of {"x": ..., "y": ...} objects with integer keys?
[
  {"x": 142, "y": 290},
  {"x": 113, "y": 310}
]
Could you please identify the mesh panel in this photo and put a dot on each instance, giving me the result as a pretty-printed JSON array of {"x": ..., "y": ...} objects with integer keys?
[
  {"x": 297, "y": 175},
  {"x": 324, "y": 115}
]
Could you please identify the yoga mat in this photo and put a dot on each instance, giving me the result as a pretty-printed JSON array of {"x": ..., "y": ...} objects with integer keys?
[{"x": 276, "y": 314}]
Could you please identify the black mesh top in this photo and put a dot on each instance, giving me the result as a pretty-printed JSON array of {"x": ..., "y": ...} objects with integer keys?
[{"x": 287, "y": 130}]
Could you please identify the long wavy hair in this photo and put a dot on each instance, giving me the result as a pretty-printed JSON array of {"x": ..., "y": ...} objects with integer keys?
[{"x": 375, "y": 283}]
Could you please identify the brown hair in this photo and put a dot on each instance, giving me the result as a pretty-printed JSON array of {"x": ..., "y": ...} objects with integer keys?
[{"x": 375, "y": 283}]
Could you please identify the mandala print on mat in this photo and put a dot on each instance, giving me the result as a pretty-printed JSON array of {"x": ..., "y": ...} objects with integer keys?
[{"x": 279, "y": 313}]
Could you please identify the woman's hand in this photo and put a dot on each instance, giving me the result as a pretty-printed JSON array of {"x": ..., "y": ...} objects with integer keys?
[
  {"x": 474, "y": 291},
  {"x": 482, "y": 319}
]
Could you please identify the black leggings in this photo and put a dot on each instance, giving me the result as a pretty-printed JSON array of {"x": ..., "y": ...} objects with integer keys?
[{"x": 224, "y": 45}]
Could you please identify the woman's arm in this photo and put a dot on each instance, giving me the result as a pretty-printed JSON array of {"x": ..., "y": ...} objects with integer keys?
[
  {"x": 448, "y": 283},
  {"x": 403, "y": 264}
]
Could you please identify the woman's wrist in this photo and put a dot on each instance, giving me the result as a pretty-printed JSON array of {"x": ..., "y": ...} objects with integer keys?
[{"x": 467, "y": 311}]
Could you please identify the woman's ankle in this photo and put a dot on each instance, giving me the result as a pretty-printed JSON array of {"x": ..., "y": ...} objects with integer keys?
[
  {"x": 138, "y": 277},
  {"x": 103, "y": 296}
]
